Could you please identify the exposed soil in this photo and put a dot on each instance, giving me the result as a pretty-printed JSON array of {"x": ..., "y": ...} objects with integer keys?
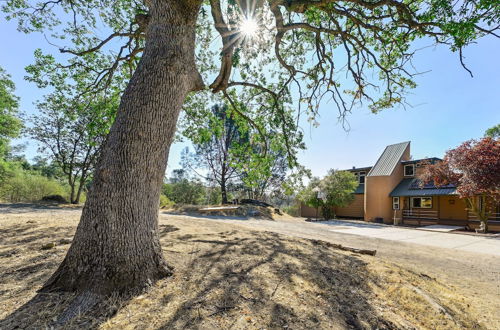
[{"x": 229, "y": 276}]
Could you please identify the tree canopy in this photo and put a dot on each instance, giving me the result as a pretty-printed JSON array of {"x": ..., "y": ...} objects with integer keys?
[
  {"x": 10, "y": 124},
  {"x": 300, "y": 52},
  {"x": 71, "y": 129},
  {"x": 336, "y": 189}
]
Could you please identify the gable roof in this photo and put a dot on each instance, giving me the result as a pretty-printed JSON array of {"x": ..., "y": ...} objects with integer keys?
[
  {"x": 411, "y": 187},
  {"x": 389, "y": 159}
]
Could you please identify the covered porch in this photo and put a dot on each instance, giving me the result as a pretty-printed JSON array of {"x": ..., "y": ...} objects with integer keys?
[{"x": 428, "y": 206}]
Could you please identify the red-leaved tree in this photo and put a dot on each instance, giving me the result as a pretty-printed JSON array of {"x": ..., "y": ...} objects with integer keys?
[{"x": 474, "y": 168}]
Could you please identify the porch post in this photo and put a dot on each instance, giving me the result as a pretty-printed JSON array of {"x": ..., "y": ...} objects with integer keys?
[{"x": 438, "y": 209}]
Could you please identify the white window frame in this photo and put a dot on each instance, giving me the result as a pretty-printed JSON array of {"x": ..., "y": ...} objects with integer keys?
[
  {"x": 359, "y": 177},
  {"x": 395, "y": 203},
  {"x": 413, "y": 171},
  {"x": 421, "y": 207}
]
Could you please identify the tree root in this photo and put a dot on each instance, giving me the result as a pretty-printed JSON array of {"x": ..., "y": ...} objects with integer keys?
[
  {"x": 82, "y": 303},
  {"x": 344, "y": 248}
]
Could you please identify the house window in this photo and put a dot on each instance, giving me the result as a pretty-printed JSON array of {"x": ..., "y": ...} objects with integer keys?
[
  {"x": 410, "y": 170},
  {"x": 361, "y": 177},
  {"x": 395, "y": 203},
  {"x": 421, "y": 202}
]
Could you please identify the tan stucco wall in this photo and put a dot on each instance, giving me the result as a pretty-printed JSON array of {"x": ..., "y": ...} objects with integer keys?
[
  {"x": 377, "y": 190},
  {"x": 355, "y": 209}
]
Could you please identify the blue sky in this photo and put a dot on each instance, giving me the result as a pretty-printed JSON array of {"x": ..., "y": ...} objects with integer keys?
[{"x": 447, "y": 108}]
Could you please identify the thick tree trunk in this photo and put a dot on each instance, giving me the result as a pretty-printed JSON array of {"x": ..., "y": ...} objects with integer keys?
[{"x": 116, "y": 246}]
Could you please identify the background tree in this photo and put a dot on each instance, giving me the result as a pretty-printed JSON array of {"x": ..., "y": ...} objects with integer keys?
[
  {"x": 231, "y": 149},
  {"x": 263, "y": 176},
  {"x": 10, "y": 124},
  {"x": 474, "y": 168},
  {"x": 336, "y": 189},
  {"x": 182, "y": 189},
  {"x": 72, "y": 129},
  {"x": 493, "y": 132},
  {"x": 310, "y": 195},
  {"x": 219, "y": 143},
  {"x": 160, "y": 39}
]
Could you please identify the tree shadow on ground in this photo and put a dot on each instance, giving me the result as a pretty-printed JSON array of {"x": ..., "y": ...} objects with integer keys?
[
  {"x": 223, "y": 279},
  {"x": 269, "y": 281}
]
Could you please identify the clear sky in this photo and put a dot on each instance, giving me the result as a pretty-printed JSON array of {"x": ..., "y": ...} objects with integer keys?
[{"x": 447, "y": 108}]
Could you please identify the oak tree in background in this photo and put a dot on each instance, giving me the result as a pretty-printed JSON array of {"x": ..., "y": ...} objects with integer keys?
[
  {"x": 10, "y": 124},
  {"x": 335, "y": 190},
  {"x": 474, "y": 168},
  {"x": 72, "y": 130},
  {"x": 303, "y": 51}
]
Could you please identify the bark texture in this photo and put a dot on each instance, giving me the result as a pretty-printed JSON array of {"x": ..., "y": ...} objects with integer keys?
[{"x": 116, "y": 246}]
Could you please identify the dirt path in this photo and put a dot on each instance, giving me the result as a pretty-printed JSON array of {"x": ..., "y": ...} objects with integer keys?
[{"x": 478, "y": 275}]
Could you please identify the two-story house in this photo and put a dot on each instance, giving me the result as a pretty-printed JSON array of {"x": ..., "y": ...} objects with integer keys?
[{"x": 390, "y": 192}]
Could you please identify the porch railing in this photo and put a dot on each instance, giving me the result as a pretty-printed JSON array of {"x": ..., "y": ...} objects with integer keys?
[
  {"x": 420, "y": 214},
  {"x": 493, "y": 216}
]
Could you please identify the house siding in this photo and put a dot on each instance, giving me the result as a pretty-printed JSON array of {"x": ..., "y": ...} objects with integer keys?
[
  {"x": 355, "y": 209},
  {"x": 378, "y": 203}
]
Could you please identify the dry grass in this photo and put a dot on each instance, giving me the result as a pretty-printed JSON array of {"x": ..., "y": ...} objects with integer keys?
[{"x": 229, "y": 277}]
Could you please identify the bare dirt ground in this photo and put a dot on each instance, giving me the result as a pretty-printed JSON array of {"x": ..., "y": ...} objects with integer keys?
[{"x": 256, "y": 274}]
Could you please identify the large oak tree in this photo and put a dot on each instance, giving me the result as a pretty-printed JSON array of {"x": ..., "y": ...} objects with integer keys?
[{"x": 275, "y": 54}]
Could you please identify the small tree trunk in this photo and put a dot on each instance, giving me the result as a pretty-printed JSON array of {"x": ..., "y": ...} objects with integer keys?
[
  {"x": 116, "y": 247},
  {"x": 223, "y": 191},
  {"x": 78, "y": 193},
  {"x": 72, "y": 191}
]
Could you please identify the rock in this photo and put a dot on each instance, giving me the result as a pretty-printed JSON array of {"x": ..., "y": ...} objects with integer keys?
[
  {"x": 54, "y": 199},
  {"x": 31, "y": 221},
  {"x": 63, "y": 241},
  {"x": 48, "y": 246}
]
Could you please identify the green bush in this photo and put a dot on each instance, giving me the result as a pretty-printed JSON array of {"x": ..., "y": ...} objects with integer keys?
[
  {"x": 187, "y": 192},
  {"x": 24, "y": 186},
  {"x": 165, "y": 203}
]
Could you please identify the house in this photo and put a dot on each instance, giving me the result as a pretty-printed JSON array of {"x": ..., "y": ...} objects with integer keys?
[{"x": 390, "y": 192}]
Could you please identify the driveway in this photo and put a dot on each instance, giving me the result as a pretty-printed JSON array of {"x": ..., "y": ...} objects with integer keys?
[
  {"x": 470, "y": 263},
  {"x": 456, "y": 241}
]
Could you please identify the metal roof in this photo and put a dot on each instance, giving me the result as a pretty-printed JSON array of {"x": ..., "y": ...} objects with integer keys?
[
  {"x": 409, "y": 187},
  {"x": 431, "y": 160},
  {"x": 357, "y": 169},
  {"x": 360, "y": 189},
  {"x": 389, "y": 159}
]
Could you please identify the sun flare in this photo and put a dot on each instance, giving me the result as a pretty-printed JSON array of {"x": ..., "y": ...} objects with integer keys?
[{"x": 249, "y": 27}]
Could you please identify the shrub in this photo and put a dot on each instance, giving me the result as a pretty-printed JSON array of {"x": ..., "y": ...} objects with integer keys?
[
  {"x": 165, "y": 203},
  {"x": 190, "y": 192},
  {"x": 24, "y": 186}
]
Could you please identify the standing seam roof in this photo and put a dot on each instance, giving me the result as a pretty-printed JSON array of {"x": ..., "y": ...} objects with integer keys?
[
  {"x": 408, "y": 187},
  {"x": 389, "y": 159}
]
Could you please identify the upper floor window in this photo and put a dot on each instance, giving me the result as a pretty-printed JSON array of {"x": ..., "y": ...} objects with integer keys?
[
  {"x": 361, "y": 177},
  {"x": 410, "y": 170}
]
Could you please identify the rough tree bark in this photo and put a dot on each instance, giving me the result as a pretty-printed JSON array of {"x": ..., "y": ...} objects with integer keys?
[
  {"x": 116, "y": 246},
  {"x": 223, "y": 191}
]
